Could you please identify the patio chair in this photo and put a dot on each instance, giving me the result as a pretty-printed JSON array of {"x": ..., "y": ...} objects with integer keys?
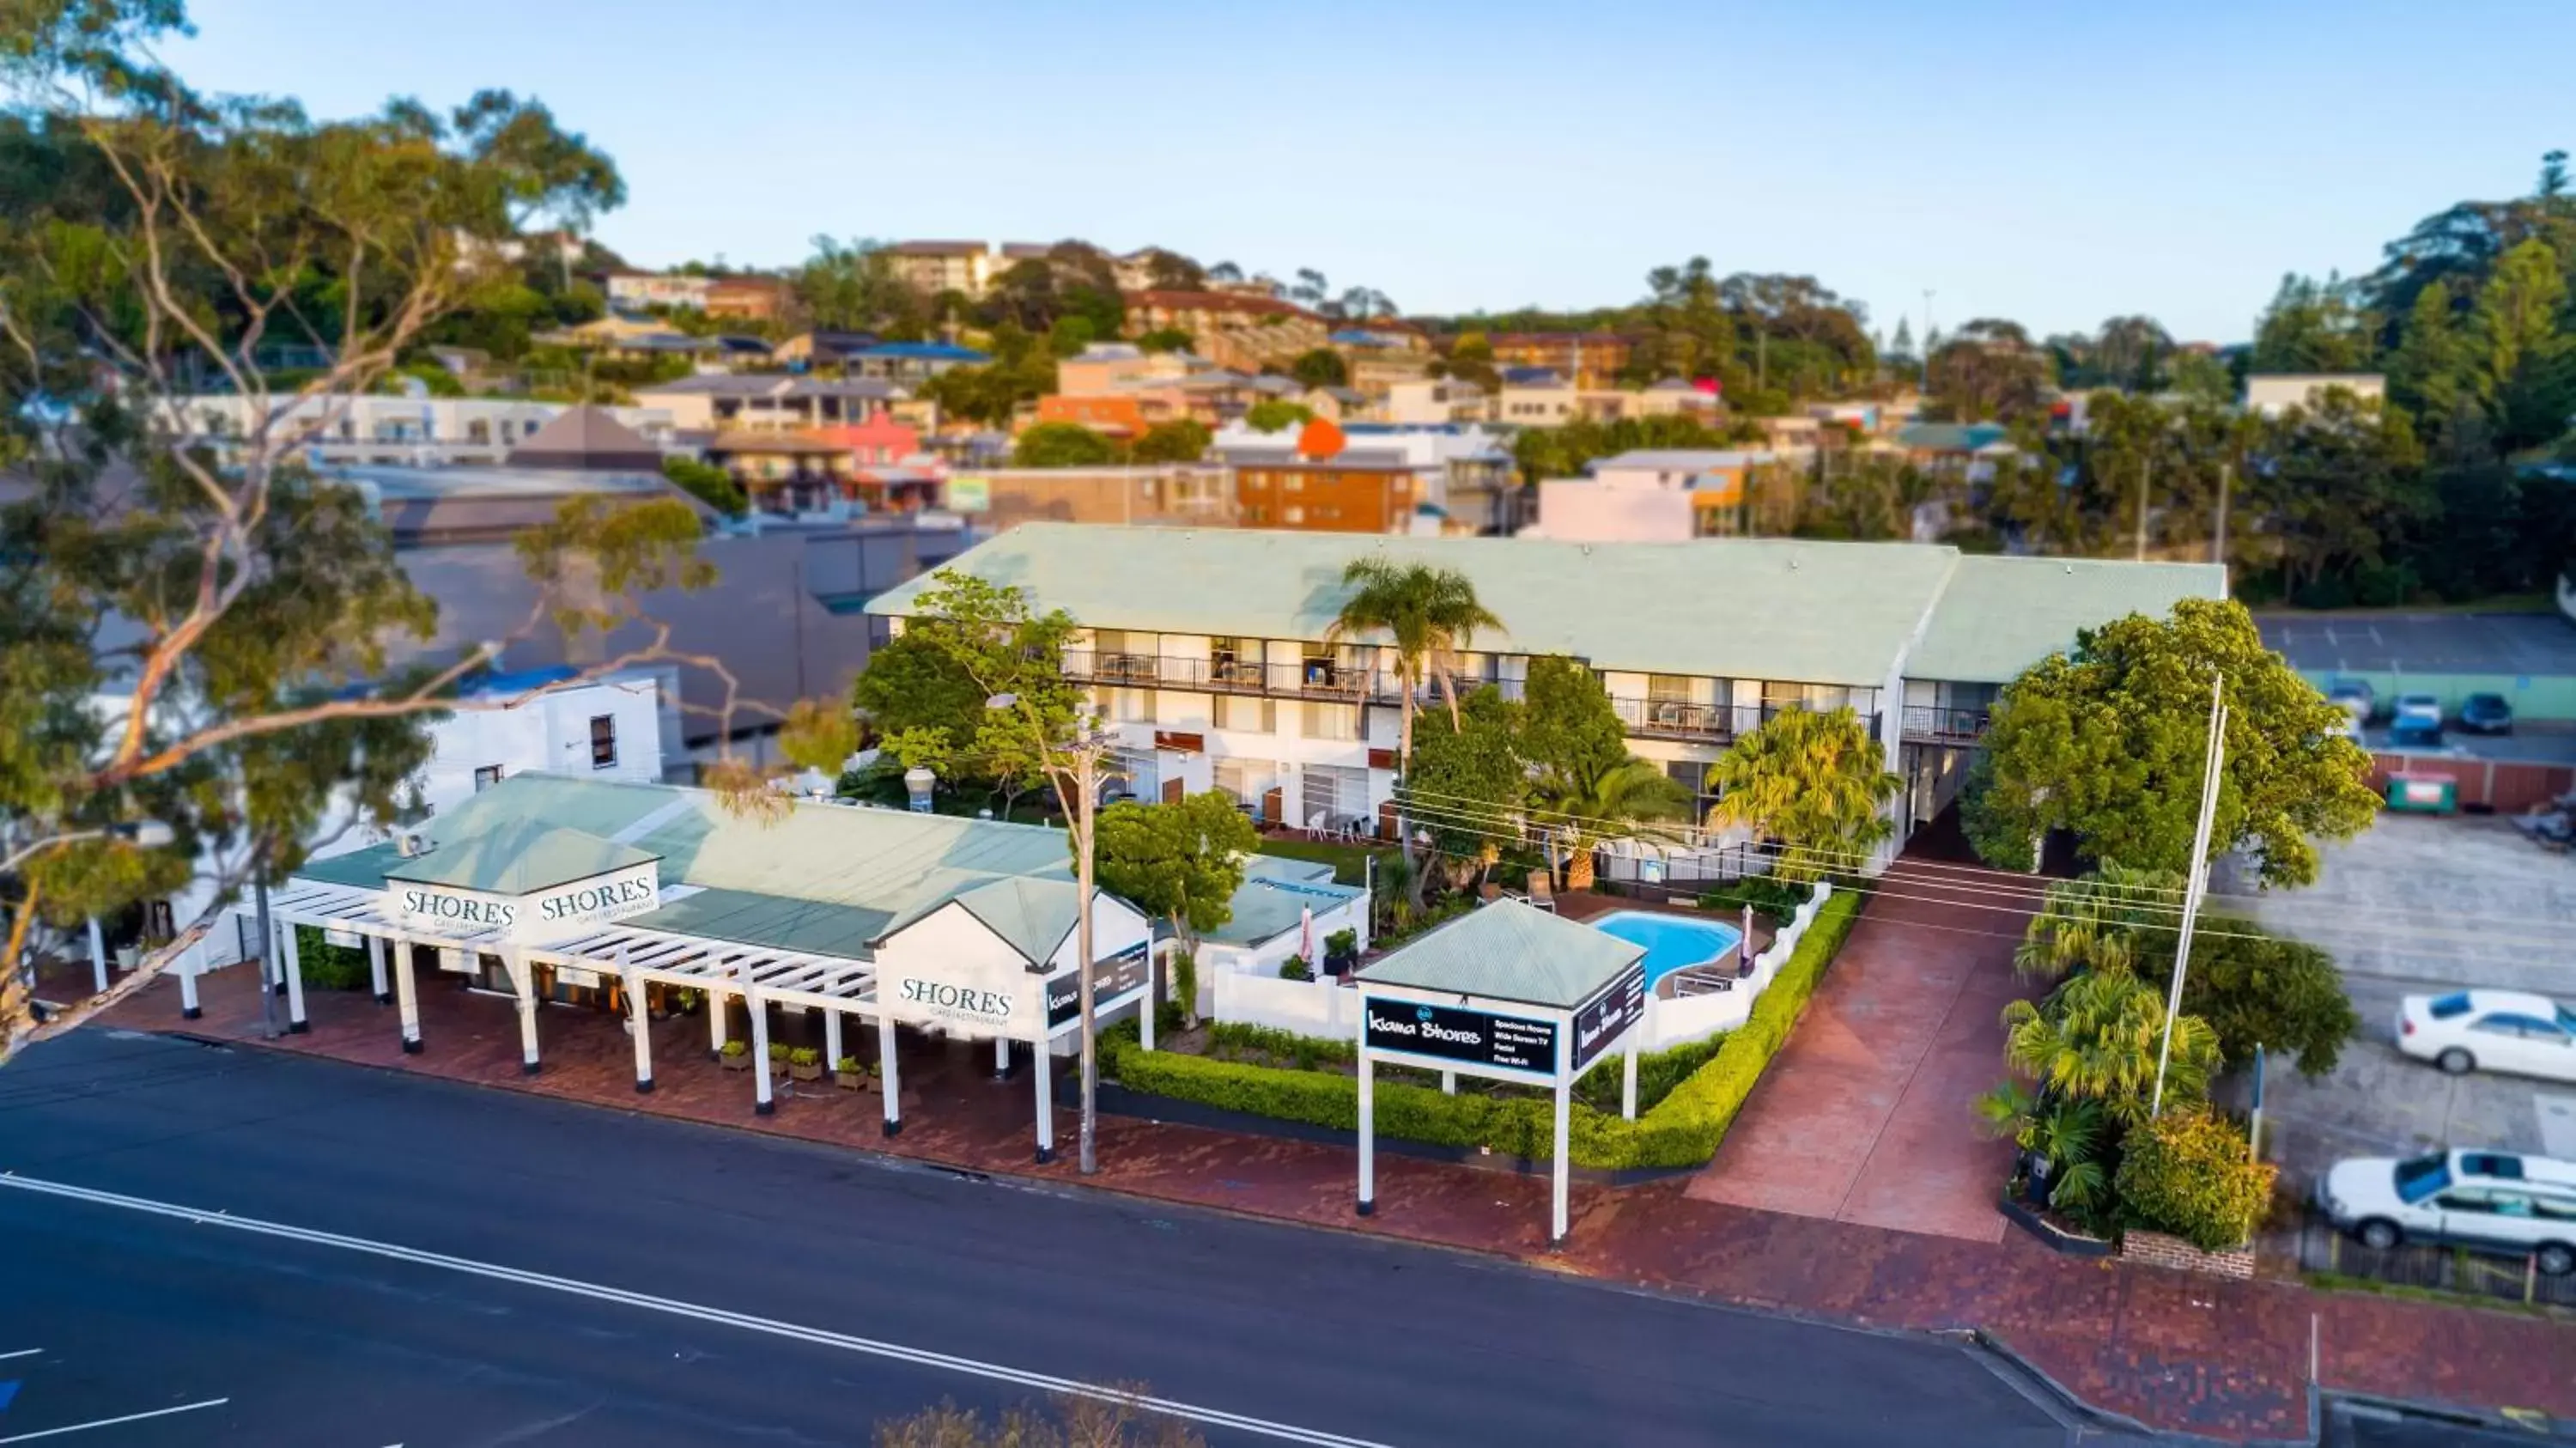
[
  {"x": 1542, "y": 890},
  {"x": 1319, "y": 824}
]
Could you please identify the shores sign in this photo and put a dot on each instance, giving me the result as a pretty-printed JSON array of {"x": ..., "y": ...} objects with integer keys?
[
  {"x": 1516, "y": 1044},
  {"x": 447, "y": 910},
  {"x": 961, "y": 1003}
]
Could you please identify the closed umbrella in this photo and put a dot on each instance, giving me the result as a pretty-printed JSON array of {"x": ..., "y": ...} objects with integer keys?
[{"x": 1306, "y": 939}]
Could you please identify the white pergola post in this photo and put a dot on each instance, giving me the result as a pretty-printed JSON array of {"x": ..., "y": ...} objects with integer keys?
[
  {"x": 1042, "y": 1065},
  {"x": 764, "y": 1104},
  {"x": 1368, "y": 1132},
  {"x": 1157, "y": 981},
  {"x": 97, "y": 956},
  {"x": 1448, "y": 1083},
  {"x": 1001, "y": 1058},
  {"x": 893, "y": 1088},
  {"x": 715, "y": 1021},
  {"x": 189, "y": 1010},
  {"x": 642, "y": 1024},
  {"x": 1628, "y": 1079},
  {"x": 376, "y": 969},
  {"x": 296, "y": 1024},
  {"x": 407, "y": 996},
  {"x": 523, "y": 977},
  {"x": 1557, "y": 1209},
  {"x": 832, "y": 1040}
]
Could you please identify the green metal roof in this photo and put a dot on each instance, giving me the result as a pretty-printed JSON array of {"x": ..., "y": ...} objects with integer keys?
[
  {"x": 1510, "y": 951},
  {"x": 1031, "y": 916},
  {"x": 824, "y": 878},
  {"x": 2001, "y": 615},
  {"x": 1736, "y": 608},
  {"x": 1266, "y": 908},
  {"x": 520, "y": 858}
]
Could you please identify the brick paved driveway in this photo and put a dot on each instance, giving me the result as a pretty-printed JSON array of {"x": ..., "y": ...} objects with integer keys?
[{"x": 1865, "y": 1116}]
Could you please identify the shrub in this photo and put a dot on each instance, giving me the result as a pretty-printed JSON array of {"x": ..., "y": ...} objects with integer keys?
[
  {"x": 1296, "y": 968},
  {"x": 737, "y": 1048},
  {"x": 330, "y": 967},
  {"x": 1658, "y": 1072},
  {"x": 2188, "y": 1172},
  {"x": 1307, "y": 1052},
  {"x": 1773, "y": 898},
  {"x": 1682, "y": 1130},
  {"x": 778, "y": 1050},
  {"x": 804, "y": 1056},
  {"x": 847, "y": 1065}
]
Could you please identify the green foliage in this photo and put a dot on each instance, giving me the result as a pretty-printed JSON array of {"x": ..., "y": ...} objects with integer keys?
[
  {"x": 778, "y": 1051},
  {"x": 847, "y": 1066},
  {"x": 1322, "y": 367},
  {"x": 852, "y": 287},
  {"x": 1630, "y": 800},
  {"x": 1181, "y": 861},
  {"x": 1181, "y": 440},
  {"x": 1271, "y": 414},
  {"x": 1062, "y": 445},
  {"x": 737, "y": 1047},
  {"x": 1658, "y": 1074},
  {"x": 1987, "y": 371},
  {"x": 1569, "y": 727},
  {"x": 1477, "y": 759},
  {"x": 970, "y": 643},
  {"x": 2097, "y": 1037},
  {"x": 1228, "y": 1040},
  {"x": 1814, "y": 782},
  {"x": 330, "y": 967},
  {"x": 1769, "y": 895},
  {"x": 2108, "y": 742},
  {"x": 1429, "y": 615},
  {"x": 802, "y": 1056},
  {"x": 1296, "y": 968},
  {"x": 1562, "y": 452},
  {"x": 1682, "y": 1130},
  {"x": 708, "y": 484},
  {"x": 2189, "y": 1172},
  {"x": 1166, "y": 339}
]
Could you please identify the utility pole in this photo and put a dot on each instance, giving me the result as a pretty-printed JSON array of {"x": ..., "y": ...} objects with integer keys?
[
  {"x": 1086, "y": 778},
  {"x": 2196, "y": 884},
  {"x": 268, "y": 960},
  {"x": 2218, "y": 545},
  {"x": 2144, "y": 472},
  {"x": 1927, "y": 341}
]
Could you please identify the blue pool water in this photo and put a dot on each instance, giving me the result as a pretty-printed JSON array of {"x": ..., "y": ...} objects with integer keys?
[{"x": 1672, "y": 942}]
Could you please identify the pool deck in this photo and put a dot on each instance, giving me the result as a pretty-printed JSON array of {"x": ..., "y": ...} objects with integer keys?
[{"x": 1590, "y": 905}]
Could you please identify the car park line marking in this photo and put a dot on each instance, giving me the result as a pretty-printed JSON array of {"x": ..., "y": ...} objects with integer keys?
[
  {"x": 22, "y": 1352},
  {"x": 112, "y": 1422},
  {"x": 821, "y": 1337}
]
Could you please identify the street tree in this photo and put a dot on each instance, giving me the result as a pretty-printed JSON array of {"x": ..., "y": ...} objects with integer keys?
[
  {"x": 2107, "y": 741},
  {"x": 971, "y": 642},
  {"x": 1815, "y": 783},
  {"x": 1180, "y": 862},
  {"x": 1271, "y": 414},
  {"x": 1181, "y": 440},
  {"x": 1468, "y": 779},
  {"x": 1062, "y": 445}
]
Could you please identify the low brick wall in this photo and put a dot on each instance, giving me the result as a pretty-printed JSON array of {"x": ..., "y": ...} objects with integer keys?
[{"x": 2159, "y": 1250}]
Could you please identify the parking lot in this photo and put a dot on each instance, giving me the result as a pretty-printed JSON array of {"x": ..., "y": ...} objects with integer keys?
[
  {"x": 2424, "y": 904},
  {"x": 2424, "y": 643}
]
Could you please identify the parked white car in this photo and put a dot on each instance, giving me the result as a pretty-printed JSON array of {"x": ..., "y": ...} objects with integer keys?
[
  {"x": 2492, "y": 1030},
  {"x": 2496, "y": 1201},
  {"x": 2421, "y": 710}
]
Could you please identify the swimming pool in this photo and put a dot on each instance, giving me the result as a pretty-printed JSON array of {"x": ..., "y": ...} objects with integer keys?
[{"x": 1673, "y": 942}]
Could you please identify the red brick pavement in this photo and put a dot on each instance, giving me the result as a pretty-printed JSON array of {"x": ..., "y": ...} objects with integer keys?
[
  {"x": 1866, "y": 1114},
  {"x": 2172, "y": 1350}
]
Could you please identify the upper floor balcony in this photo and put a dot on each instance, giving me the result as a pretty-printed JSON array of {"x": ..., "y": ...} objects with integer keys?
[
  {"x": 1927, "y": 724},
  {"x": 1300, "y": 678}
]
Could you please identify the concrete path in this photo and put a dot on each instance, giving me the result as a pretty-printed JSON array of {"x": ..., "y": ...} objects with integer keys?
[{"x": 1867, "y": 1114}]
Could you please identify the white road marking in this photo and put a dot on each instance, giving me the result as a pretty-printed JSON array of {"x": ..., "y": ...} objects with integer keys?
[
  {"x": 919, "y": 1357},
  {"x": 112, "y": 1422},
  {"x": 22, "y": 1352},
  {"x": 2557, "y": 1123}
]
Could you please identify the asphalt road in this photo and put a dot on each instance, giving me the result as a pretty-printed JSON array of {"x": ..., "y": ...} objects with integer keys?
[{"x": 796, "y": 1295}]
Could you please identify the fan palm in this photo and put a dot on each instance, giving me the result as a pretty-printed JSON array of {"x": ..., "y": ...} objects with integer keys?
[
  {"x": 1816, "y": 782},
  {"x": 2097, "y": 1037},
  {"x": 1629, "y": 800}
]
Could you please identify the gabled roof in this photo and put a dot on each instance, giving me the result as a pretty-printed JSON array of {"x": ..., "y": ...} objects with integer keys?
[
  {"x": 2001, "y": 615},
  {"x": 1671, "y": 460},
  {"x": 587, "y": 439},
  {"x": 1510, "y": 951},
  {"x": 521, "y": 858},
  {"x": 1033, "y": 917}
]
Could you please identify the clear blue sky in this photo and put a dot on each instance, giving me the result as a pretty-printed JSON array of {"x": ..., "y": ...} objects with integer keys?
[{"x": 2052, "y": 163}]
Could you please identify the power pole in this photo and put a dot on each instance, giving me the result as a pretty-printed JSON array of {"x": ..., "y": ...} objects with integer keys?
[
  {"x": 268, "y": 960},
  {"x": 2218, "y": 546},
  {"x": 1086, "y": 777},
  {"x": 2144, "y": 472},
  {"x": 2196, "y": 884}
]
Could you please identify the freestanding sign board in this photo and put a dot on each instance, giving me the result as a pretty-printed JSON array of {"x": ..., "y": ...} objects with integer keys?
[
  {"x": 1601, "y": 1021},
  {"x": 1521, "y": 1045}
]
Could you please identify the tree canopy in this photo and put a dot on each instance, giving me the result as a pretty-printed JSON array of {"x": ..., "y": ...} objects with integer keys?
[
  {"x": 1062, "y": 445},
  {"x": 1815, "y": 782}
]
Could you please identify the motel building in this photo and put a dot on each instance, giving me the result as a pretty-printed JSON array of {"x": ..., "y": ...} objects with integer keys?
[{"x": 560, "y": 898}]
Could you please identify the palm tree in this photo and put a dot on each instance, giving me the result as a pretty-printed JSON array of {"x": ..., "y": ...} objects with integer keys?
[
  {"x": 1426, "y": 613},
  {"x": 1629, "y": 800},
  {"x": 1815, "y": 782},
  {"x": 2094, "y": 923},
  {"x": 2096, "y": 1037}
]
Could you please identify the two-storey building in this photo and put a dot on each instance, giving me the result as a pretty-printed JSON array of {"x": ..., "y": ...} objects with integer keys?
[{"x": 1207, "y": 649}]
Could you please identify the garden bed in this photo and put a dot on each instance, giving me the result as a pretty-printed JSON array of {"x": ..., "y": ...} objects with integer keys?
[{"x": 1682, "y": 1129}]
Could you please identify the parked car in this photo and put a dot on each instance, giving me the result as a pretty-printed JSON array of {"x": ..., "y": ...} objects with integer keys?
[
  {"x": 2497, "y": 1201},
  {"x": 2415, "y": 734},
  {"x": 2356, "y": 696},
  {"x": 2486, "y": 714},
  {"x": 2425, "y": 709},
  {"x": 2494, "y": 1030}
]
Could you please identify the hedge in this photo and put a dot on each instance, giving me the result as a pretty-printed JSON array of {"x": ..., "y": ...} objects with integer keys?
[{"x": 1683, "y": 1130}]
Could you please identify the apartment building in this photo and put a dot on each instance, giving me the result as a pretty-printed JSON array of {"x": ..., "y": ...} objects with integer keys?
[
  {"x": 932, "y": 267},
  {"x": 1650, "y": 496},
  {"x": 1207, "y": 652},
  {"x": 1434, "y": 400},
  {"x": 766, "y": 402},
  {"x": 1587, "y": 359},
  {"x": 636, "y": 291},
  {"x": 1181, "y": 495},
  {"x": 751, "y": 299},
  {"x": 362, "y": 429},
  {"x": 1230, "y": 329}
]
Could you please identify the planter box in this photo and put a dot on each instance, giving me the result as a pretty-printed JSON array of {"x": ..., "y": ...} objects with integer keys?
[
  {"x": 849, "y": 1080},
  {"x": 2072, "y": 1244},
  {"x": 2159, "y": 1250},
  {"x": 735, "y": 1063},
  {"x": 804, "y": 1073}
]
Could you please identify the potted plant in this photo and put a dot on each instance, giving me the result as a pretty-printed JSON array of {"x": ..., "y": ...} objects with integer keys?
[
  {"x": 1296, "y": 968},
  {"x": 1341, "y": 952},
  {"x": 684, "y": 1001},
  {"x": 777, "y": 1054},
  {"x": 805, "y": 1064},
  {"x": 736, "y": 1056},
  {"x": 848, "y": 1074}
]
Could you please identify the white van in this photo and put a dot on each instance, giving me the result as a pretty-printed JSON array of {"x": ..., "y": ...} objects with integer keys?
[{"x": 2498, "y": 1201}]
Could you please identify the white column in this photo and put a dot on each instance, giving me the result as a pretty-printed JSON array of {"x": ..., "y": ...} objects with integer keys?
[
  {"x": 189, "y": 1010},
  {"x": 1042, "y": 1065},
  {"x": 523, "y": 974},
  {"x": 893, "y": 1088},
  {"x": 1628, "y": 1079},
  {"x": 641, "y": 1022},
  {"x": 376, "y": 969},
  {"x": 1368, "y": 1134},
  {"x": 1001, "y": 1058},
  {"x": 97, "y": 956},
  {"x": 764, "y": 1103},
  {"x": 1557, "y": 1214},
  {"x": 296, "y": 1024},
  {"x": 832, "y": 1040},
  {"x": 1448, "y": 1083},
  {"x": 1157, "y": 981},
  {"x": 407, "y": 996},
  {"x": 715, "y": 1003}
]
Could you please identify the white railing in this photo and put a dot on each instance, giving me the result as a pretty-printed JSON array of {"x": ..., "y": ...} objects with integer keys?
[{"x": 1697, "y": 1017}]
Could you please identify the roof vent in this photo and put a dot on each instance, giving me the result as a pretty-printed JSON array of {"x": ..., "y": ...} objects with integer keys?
[
  {"x": 2070, "y": 568},
  {"x": 412, "y": 844}
]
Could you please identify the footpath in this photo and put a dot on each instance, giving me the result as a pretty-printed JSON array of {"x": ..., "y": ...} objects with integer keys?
[{"x": 2174, "y": 1351}]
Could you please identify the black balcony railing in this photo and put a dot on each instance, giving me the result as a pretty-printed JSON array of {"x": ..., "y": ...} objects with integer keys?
[
  {"x": 1302, "y": 678},
  {"x": 1944, "y": 726}
]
